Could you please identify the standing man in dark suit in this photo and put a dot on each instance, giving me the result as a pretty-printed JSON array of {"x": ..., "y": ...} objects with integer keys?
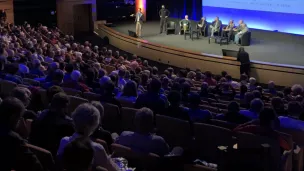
[
  {"x": 243, "y": 57},
  {"x": 2, "y": 15},
  {"x": 139, "y": 20},
  {"x": 163, "y": 14}
]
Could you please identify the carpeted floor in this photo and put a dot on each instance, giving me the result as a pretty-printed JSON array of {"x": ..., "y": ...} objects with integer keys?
[{"x": 266, "y": 46}]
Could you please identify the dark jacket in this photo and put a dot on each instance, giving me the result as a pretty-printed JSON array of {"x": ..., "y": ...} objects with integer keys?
[
  {"x": 15, "y": 155},
  {"x": 152, "y": 101},
  {"x": 164, "y": 13},
  {"x": 243, "y": 57}
]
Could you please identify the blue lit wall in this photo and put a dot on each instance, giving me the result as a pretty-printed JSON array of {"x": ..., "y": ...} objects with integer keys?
[{"x": 282, "y": 22}]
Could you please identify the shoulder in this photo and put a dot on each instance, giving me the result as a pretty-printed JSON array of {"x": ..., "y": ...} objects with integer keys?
[{"x": 126, "y": 133}]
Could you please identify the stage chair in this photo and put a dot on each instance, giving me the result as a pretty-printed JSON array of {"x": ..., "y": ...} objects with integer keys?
[
  {"x": 171, "y": 27},
  {"x": 245, "y": 40},
  {"x": 196, "y": 32}
]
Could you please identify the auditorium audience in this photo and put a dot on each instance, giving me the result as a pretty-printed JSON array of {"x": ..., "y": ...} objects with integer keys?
[
  {"x": 143, "y": 140},
  {"x": 175, "y": 110},
  {"x": 233, "y": 114},
  {"x": 256, "y": 106},
  {"x": 197, "y": 114},
  {"x": 291, "y": 120}
]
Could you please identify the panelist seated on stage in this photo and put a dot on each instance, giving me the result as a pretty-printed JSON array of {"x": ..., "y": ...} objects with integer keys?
[
  {"x": 202, "y": 24},
  {"x": 185, "y": 24},
  {"x": 228, "y": 30},
  {"x": 215, "y": 26},
  {"x": 240, "y": 32}
]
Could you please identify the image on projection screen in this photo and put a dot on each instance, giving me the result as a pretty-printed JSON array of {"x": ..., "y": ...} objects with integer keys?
[{"x": 282, "y": 6}]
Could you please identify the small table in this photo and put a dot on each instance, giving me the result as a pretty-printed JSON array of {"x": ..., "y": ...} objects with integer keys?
[{"x": 215, "y": 38}]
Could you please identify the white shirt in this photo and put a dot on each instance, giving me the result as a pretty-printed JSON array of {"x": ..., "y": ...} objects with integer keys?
[
  {"x": 290, "y": 123},
  {"x": 138, "y": 15}
]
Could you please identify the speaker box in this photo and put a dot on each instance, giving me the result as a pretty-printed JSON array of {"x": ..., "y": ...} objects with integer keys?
[{"x": 231, "y": 53}]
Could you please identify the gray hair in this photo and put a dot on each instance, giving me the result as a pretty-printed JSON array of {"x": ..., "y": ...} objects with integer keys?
[
  {"x": 86, "y": 119},
  {"x": 297, "y": 89},
  {"x": 144, "y": 120},
  {"x": 23, "y": 94}
]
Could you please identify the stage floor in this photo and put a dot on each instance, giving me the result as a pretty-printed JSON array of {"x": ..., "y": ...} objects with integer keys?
[{"x": 265, "y": 46}]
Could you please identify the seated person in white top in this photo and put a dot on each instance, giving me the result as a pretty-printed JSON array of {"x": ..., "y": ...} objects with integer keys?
[
  {"x": 86, "y": 119},
  {"x": 143, "y": 139},
  {"x": 256, "y": 106},
  {"x": 292, "y": 120}
]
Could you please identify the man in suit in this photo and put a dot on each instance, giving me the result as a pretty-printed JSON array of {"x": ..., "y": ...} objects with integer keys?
[
  {"x": 243, "y": 58},
  {"x": 202, "y": 24},
  {"x": 163, "y": 14},
  {"x": 215, "y": 26},
  {"x": 240, "y": 32},
  {"x": 228, "y": 30},
  {"x": 185, "y": 22},
  {"x": 139, "y": 20}
]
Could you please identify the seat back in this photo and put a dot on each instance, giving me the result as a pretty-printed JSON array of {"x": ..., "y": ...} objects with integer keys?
[
  {"x": 142, "y": 161},
  {"x": 44, "y": 156},
  {"x": 127, "y": 118},
  {"x": 29, "y": 81},
  {"x": 72, "y": 92},
  {"x": 126, "y": 103},
  {"x": 223, "y": 124},
  {"x": 91, "y": 96},
  {"x": 104, "y": 144},
  {"x": 208, "y": 138},
  {"x": 247, "y": 141},
  {"x": 112, "y": 118},
  {"x": 175, "y": 131},
  {"x": 44, "y": 98},
  {"x": 246, "y": 39},
  {"x": 75, "y": 102},
  {"x": 6, "y": 87}
]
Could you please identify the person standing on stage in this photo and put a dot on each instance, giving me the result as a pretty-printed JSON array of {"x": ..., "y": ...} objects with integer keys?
[
  {"x": 243, "y": 58},
  {"x": 228, "y": 31},
  {"x": 215, "y": 26},
  {"x": 163, "y": 14},
  {"x": 139, "y": 20}
]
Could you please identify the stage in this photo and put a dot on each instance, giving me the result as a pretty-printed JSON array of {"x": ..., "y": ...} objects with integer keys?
[{"x": 266, "y": 46}]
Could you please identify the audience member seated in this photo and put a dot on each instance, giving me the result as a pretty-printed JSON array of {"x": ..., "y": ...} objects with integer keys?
[
  {"x": 107, "y": 94},
  {"x": 186, "y": 88},
  {"x": 78, "y": 155},
  {"x": 15, "y": 155},
  {"x": 52, "y": 124},
  {"x": 278, "y": 106},
  {"x": 233, "y": 115},
  {"x": 152, "y": 99},
  {"x": 52, "y": 68},
  {"x": 195, "y": 113},
  {"x": 57, "y": 78},
  {"x": 243, "y": 91},
  {"x": 291, "y": 120},
  {"x": 266, "y": 127},
  {"x": 36, "y": 70},
  {"x": 143, "y": 139},
  {"x": 11, "y": 70},
  {"x": 256, "y": 106},
  {"x": 175, "y": 109},
  {"x": 100, "y": 133},
  {"x": 245, "y": 103},
  {"x": 234, "y": 84},
  {"x": 75, "y": 83},
  {"x": 24, "y": 95},
  {"x": 252, "y": 84},
  {"x": 271, "y": 88},
  {"x": 129, "y": 92},
  {"x": 86, "y": 119},
  {"x": 211, "y": 81},
  {"x": 92, "y": 78},
  {"x": 68, "y": 71}
]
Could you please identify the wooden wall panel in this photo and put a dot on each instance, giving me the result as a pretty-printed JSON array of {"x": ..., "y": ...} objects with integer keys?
[{"x": 8, "y": 5}]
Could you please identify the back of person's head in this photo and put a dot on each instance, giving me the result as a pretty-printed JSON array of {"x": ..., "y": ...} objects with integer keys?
[
  {"x": 243, "y": 89},
  {"x": 267, "y": 117},
  {"x": 287, "y": 91},
  {"x": 277, "y": 103},
  {"x": 208, "y": 74},
  {"x": 69, "y": 68},
  {"x": 60, "y": 101},
  {"x": 86, "y": 119},
  {"x": 144, "y": 120},
  {"x": 58, "y": 76},
  {"x": 297, "y": 89},
  {"x": 130, "y": 89},
  {"x": 176, "y": 87},
  {"x": 294, "y": 108},
  {"x": 23, "y": 94},
  {"x": 233, "y": 107},
  {"x": 100, "y": 108},
  {"x": 182, "y": 73},
  {"x": 186, "y": 88},
  {"x": 194, "y": 100},
  {"x": 252, "y": 81},
  {"x": 78, "y": 155},
  {"x": 11, "y": 110},
  {"x": 121, "y": 73},
  {"x": 52, "y": 91},
  {"x": 271, "y": 85},
  {"x": 76, "y": 75},
  {"x": 228, "y": 78},
  {"x": 108, "y": 88},
  {"x": 256, "y": 105},
  {"x": 224, "y": 73},
  {"x": 256, "y": 94},
  {"x": 260, "y": 89},
  {"x": 248, "y": 97},
  {"x": 299, "y": 98},
  {"x": 154, "y": 70},
  {"x": 12, "y": 68},
  {"x": 155, "y": 86},
  {"x": 243, "y": 78},
  {"x": 174, "y": 98}
]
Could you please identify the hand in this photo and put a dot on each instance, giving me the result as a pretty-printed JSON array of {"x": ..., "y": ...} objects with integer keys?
[{"x": 166, "y": 17}]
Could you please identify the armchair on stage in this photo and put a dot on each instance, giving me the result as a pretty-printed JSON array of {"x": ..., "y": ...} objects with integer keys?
[
  {"x": 171, "y": 27},
  {"x": 185, "y": 28},
  {"x": 245, "y": 39}
]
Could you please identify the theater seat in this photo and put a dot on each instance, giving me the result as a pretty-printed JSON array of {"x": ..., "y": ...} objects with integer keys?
[
  {"x": 91, "y": 96},
  {"x": 44, "y": 156},
  {"x": 112, "y": 118},
  {"x": 142, "y": 161},
  {"x": 127, "y": 118},
  {"x": 72, "y": 92},
  {"x": 75, "y": 102},
  {"x": 6, "y": 87},
  {"x": 245, "y": 40}
]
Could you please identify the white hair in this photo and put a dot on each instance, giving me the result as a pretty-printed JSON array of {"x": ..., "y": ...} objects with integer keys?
[
  {"x": 271, "y": 84},
  {"x": 78, "y": 54},
  {"x": 75, "y": 75},
  {"x": 86, "y": 119},
  {"x": 297, "y": 89},
  {"x": 104, "y": 79},
  {"x": 252, "y": 81}
]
